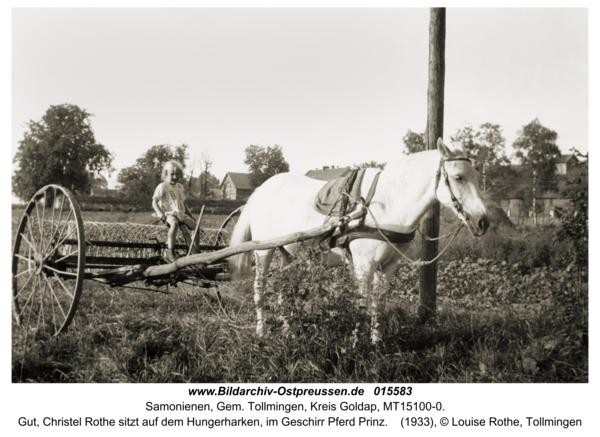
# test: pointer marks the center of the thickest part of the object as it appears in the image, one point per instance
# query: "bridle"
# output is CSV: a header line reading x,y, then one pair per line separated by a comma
x,y
460,212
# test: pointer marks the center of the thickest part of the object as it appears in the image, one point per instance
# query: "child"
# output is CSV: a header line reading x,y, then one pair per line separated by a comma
x,y
169,203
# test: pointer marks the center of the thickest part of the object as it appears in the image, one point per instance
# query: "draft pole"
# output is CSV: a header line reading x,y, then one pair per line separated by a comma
x,y
430,223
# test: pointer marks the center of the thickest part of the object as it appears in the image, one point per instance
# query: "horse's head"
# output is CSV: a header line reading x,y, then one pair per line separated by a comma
x,y
457,188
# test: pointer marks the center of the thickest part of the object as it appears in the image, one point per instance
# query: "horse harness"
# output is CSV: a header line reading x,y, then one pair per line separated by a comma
x,y
442,172
348,202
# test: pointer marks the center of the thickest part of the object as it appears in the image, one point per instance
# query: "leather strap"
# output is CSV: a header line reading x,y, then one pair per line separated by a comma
x,y
371,192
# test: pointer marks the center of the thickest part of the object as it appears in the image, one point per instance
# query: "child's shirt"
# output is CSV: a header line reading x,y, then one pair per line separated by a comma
x,y
170,199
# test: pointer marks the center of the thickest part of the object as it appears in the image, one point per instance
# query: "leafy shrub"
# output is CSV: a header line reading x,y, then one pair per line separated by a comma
x,y
316,304
574,220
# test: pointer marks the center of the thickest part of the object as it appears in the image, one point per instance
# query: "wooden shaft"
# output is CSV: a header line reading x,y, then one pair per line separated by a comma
x,y
207,258
430,223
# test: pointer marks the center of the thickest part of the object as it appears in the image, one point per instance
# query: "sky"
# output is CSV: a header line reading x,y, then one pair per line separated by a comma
x,y
331,87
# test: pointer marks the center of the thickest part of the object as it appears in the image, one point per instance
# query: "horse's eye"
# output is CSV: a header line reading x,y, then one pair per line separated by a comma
x,y
458,178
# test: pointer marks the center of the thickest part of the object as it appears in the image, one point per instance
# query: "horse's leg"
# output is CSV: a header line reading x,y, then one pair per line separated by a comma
x,y
381,289
286,259
364,272
368,255
262,260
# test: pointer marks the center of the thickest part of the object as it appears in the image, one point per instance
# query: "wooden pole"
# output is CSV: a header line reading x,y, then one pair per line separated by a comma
x,y
210,257
430,224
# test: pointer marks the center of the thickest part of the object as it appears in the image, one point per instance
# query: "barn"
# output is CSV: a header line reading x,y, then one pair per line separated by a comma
x,y
237,186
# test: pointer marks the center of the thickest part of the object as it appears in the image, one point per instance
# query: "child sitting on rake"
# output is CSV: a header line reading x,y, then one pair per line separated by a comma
x,y
169,203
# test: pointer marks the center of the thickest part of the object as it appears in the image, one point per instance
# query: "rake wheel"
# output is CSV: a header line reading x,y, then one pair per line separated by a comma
x,y
223,237
48,261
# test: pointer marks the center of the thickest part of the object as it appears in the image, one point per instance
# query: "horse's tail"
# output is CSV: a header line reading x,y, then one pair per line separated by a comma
x,y
240,266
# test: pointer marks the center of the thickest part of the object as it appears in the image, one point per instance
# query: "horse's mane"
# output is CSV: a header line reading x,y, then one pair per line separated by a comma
x,y
405,160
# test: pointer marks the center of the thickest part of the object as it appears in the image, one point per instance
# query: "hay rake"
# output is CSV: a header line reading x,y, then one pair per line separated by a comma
x,y
55,251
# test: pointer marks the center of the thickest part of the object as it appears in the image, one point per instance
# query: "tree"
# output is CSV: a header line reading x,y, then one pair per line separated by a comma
x,y
193,164
99,181
205,166
142,178
264,163
196,184
207,182
371,164
413,142
485,148
537,150
59,149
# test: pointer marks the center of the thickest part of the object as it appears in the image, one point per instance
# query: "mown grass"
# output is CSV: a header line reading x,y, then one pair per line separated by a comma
x,y
511,308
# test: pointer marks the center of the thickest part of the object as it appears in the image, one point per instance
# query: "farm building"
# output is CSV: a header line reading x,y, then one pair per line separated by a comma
x,y
566,163
517,201
328,174
237,186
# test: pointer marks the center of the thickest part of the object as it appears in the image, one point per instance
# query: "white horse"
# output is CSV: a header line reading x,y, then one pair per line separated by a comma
x,y
406,190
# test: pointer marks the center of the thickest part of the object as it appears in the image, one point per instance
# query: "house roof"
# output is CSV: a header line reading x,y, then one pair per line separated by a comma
x,y
241,181
565,158
328,174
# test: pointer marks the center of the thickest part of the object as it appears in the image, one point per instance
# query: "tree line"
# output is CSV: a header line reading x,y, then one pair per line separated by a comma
x,y
535,149
61,149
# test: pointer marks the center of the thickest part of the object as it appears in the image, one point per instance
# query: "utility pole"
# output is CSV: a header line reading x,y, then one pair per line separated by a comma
x,y
430,223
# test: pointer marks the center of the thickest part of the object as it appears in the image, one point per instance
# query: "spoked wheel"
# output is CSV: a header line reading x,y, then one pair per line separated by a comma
x,y
223,237
48,261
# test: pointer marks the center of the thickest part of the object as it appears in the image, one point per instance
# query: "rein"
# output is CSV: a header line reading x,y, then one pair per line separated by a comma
x,y
464,218
441,172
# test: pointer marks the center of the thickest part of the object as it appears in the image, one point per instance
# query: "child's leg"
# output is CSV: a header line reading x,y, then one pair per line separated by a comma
x,y
190,223
172,235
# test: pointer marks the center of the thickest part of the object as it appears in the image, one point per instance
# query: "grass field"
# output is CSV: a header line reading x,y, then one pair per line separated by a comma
x,y
511,308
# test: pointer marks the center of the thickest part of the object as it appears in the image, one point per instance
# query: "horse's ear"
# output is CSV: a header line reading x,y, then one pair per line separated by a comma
x,y
448,153
443,149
